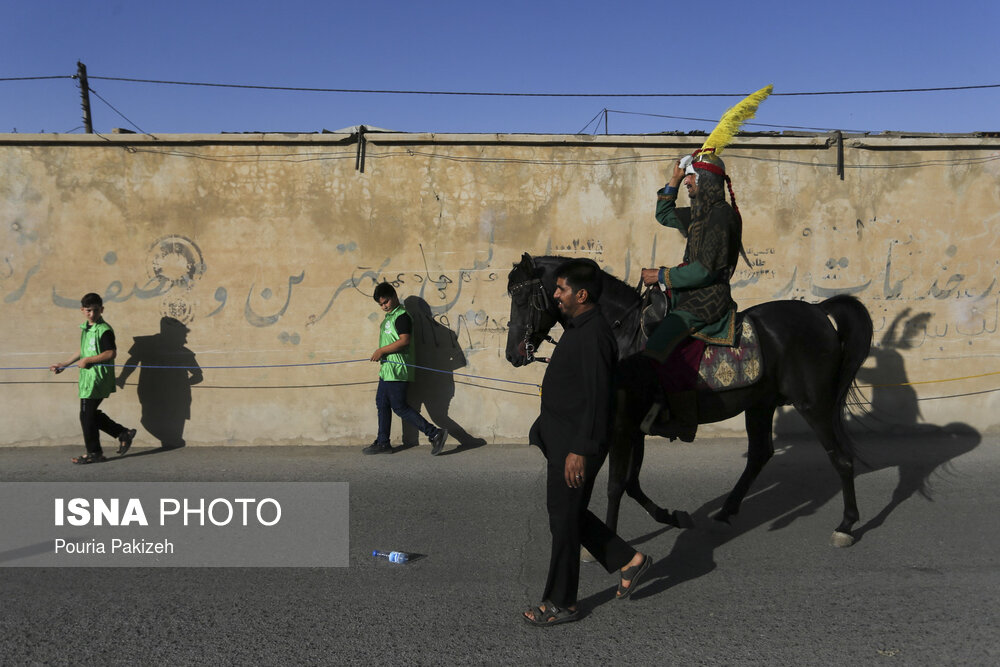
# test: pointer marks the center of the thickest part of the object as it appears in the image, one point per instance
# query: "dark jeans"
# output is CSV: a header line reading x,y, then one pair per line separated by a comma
x,y
391,397
93,422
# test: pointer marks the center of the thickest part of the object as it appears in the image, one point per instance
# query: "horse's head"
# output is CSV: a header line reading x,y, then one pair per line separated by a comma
x,y
532,311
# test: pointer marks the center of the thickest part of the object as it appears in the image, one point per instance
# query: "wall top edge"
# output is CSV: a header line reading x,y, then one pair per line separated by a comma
x,y
749,140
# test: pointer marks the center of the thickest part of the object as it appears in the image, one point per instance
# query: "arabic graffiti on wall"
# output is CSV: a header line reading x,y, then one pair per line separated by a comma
x,y
176,267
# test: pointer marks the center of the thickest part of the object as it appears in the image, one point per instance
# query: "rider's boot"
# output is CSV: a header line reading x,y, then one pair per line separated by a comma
x,y
679,419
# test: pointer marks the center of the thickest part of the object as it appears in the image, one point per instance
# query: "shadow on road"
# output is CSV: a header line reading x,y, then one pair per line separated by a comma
x,y
800,479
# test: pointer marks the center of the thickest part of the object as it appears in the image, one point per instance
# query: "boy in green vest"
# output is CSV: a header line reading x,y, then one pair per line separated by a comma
x,y
395,354
97,381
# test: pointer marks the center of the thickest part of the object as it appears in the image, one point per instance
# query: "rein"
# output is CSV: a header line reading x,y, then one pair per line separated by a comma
x,y
540,303
638,290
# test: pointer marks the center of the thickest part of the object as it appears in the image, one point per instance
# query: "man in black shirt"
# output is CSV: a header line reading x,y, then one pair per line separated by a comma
x,y
573,431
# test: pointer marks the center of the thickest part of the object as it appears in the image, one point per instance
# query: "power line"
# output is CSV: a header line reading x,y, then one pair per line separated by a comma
x,y
514,94
116,110
876,91
709,120
591,121
508,94
36,78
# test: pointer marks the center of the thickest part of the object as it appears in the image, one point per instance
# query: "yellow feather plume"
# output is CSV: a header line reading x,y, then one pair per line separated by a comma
x,y
731,121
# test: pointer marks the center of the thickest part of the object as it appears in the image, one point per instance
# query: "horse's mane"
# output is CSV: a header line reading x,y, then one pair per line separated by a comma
x,y
615,289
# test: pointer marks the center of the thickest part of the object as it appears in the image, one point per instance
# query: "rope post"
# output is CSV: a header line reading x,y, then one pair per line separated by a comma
x,y
81,75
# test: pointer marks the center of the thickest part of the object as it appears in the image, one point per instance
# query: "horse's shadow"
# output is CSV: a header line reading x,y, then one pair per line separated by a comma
x,y
439,355
889,434
782,495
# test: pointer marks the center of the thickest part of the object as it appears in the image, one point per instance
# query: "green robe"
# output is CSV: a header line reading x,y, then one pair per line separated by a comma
x,y
699,287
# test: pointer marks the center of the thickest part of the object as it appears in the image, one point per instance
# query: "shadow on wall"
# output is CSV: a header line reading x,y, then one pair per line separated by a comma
x,y
894,405
435,347
167,370
890,432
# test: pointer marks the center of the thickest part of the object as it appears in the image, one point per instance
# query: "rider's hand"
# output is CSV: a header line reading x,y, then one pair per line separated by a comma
x,y
677,176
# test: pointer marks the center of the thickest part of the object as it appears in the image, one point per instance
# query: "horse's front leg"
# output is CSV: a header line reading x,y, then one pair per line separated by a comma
x,y
630,448
760,449
619,461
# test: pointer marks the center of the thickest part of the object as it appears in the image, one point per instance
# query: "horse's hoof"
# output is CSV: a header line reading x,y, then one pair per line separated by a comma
x,y
682,519
586,556
841,540
721,518
667,517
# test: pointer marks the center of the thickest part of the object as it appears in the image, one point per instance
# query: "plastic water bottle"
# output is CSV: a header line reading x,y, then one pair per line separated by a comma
x,y
392,556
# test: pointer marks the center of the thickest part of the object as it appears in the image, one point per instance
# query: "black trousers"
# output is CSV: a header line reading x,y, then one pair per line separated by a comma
x,y
93,422
572,525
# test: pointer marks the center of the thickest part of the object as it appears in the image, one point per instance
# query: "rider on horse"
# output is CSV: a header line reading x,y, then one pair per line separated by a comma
x,y
697,290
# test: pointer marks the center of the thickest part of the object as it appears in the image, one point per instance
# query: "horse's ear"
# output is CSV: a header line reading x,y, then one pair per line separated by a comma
x,y
526,258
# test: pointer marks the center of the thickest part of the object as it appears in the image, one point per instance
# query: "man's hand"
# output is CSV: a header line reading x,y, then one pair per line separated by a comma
x,y
575,471
377,355
650,276
677,176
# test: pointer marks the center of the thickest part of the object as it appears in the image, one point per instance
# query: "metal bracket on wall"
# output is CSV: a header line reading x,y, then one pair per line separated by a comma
x,y
359,159
840,154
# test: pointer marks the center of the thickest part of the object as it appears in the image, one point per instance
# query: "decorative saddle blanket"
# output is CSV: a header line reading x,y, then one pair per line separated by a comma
x,y
723,367
696,365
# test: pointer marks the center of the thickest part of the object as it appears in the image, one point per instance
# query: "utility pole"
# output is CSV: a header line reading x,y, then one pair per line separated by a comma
x,y
81,74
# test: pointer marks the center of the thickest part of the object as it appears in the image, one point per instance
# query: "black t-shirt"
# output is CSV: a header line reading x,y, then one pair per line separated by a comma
x,y
404,325
107,341
576,388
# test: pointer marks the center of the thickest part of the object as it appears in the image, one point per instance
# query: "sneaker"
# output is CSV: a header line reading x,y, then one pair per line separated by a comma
x,y
378,448
437,442
125,440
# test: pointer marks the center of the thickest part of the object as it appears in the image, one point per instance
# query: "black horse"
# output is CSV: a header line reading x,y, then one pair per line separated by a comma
x,y
811,355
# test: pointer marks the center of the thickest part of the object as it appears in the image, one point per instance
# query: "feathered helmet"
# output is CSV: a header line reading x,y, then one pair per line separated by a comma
x,y
707,157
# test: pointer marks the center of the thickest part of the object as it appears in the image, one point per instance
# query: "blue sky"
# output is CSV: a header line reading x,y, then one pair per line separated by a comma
x,y
515,46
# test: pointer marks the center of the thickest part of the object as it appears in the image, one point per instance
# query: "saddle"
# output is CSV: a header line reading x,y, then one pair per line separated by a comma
x,y
723,367
719,367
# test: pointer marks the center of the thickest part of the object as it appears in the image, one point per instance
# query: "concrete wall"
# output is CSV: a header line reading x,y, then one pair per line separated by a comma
x,y
267,247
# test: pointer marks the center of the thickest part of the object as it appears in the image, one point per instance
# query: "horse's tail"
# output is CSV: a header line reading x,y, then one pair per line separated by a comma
x,y
855,330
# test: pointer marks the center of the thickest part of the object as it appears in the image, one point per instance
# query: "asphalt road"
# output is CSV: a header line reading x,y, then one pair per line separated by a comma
x,y
919,587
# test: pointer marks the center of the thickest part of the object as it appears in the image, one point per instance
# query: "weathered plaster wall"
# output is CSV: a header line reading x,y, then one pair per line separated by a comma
x,y
267,248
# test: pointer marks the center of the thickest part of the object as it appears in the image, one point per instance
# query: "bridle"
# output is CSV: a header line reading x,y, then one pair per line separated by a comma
x,y
539,303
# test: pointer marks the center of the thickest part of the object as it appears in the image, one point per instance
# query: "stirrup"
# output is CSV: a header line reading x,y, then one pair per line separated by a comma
x,y
647,422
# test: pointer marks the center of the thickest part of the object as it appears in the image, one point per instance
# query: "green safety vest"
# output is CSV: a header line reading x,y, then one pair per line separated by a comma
x,y
395,367
98,381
